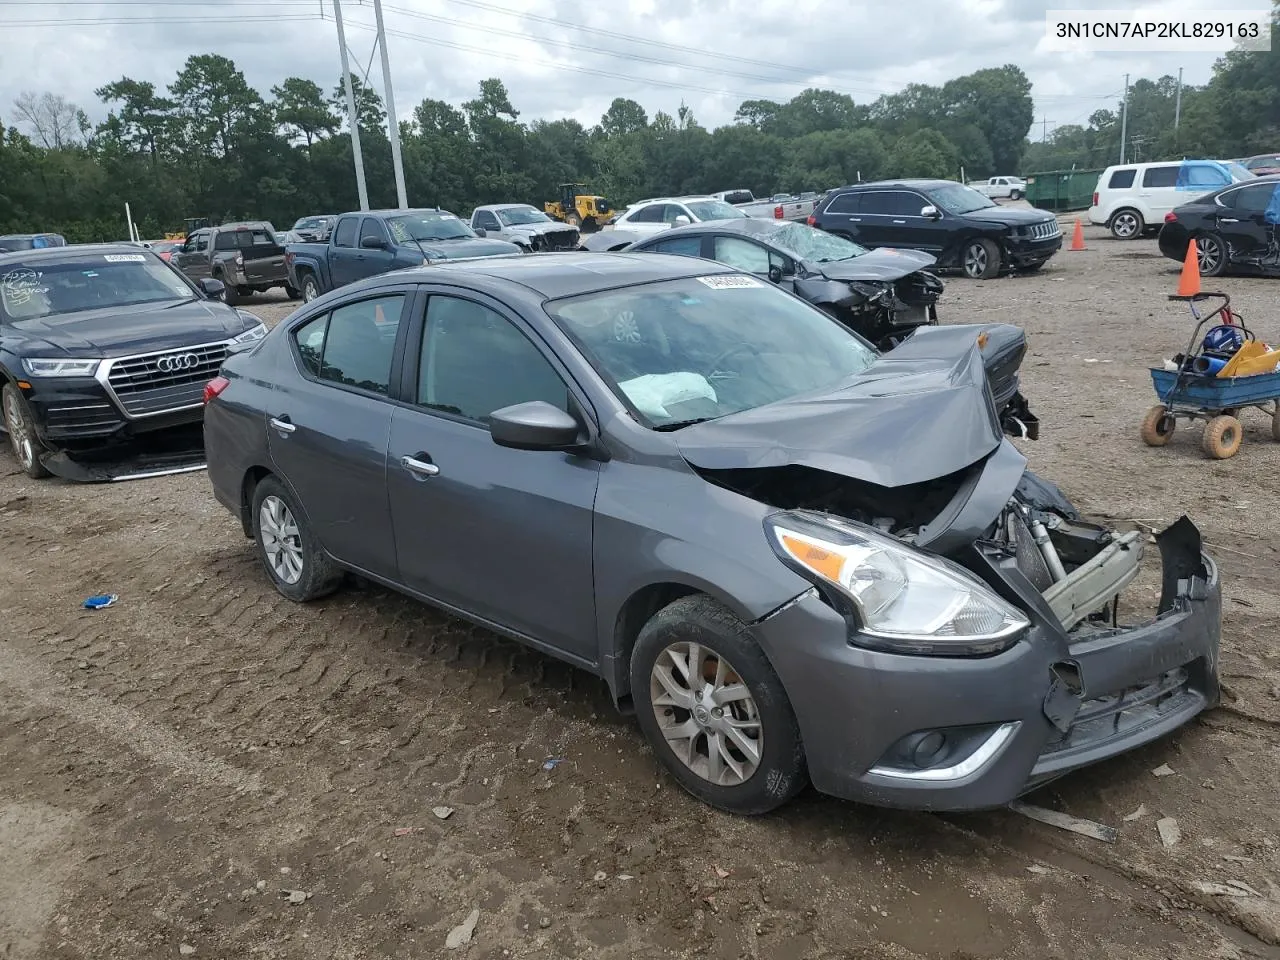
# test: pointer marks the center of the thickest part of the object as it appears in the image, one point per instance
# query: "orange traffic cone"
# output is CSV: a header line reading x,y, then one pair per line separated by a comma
x,y
1189,282
1077,239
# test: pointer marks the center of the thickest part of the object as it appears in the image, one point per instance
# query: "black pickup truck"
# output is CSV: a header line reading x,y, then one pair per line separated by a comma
x,y
379,241
245,257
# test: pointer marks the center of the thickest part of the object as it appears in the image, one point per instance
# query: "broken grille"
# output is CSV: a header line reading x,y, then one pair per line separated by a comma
x,y
149,385
1046,230
1122,714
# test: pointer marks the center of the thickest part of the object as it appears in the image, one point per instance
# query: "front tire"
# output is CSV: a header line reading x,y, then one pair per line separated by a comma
x,y
296,564
20,426
1222,437
1127,225
714,711
980,259
1158,426
1212,254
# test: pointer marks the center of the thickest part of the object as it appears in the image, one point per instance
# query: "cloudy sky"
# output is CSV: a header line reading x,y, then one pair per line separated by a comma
x,y
570,58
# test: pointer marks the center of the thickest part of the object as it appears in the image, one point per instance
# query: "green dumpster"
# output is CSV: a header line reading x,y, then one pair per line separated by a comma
x,y
1062,190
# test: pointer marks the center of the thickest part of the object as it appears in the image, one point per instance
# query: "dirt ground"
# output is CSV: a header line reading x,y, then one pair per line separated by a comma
x,y
173,767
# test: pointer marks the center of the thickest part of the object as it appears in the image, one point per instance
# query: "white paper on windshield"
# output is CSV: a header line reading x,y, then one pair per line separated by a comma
x,y
652,392
730,282
125,258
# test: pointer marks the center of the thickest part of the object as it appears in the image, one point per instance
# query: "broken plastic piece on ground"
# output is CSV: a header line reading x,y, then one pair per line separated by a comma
x,y
1137,814
552,762
1169,831
461,935
1164,770
1064,821
100,601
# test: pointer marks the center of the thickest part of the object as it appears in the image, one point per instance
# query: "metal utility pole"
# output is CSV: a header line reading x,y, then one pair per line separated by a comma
x,y
1124,115
1177,103
392,124
351,108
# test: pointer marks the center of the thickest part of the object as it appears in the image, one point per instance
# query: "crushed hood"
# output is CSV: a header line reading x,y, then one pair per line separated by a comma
x,y
920,412
885,263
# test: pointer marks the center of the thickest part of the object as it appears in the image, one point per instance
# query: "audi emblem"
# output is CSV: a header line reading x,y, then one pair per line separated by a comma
x,y
175,362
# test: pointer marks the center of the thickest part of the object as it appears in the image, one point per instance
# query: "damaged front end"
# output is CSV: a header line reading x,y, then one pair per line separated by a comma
x,y
885,312
1085,676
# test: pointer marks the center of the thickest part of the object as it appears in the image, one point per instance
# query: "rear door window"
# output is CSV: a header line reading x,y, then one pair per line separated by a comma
x,y
1162,176
354,345
650,214
892,203
845,203
1122,179
1249,200
345,234
680,246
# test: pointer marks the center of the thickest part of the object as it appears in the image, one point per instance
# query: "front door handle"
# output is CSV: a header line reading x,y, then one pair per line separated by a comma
x,y
899,221
419,468
856,219
283,425
1228,220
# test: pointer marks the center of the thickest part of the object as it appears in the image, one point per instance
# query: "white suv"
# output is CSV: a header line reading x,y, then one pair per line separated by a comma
x,y
648,217
1133,198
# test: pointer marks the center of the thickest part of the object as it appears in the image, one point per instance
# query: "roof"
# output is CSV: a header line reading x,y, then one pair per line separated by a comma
x,y
684,199
555,275
505,206
919,184
392,211
750,226
72,251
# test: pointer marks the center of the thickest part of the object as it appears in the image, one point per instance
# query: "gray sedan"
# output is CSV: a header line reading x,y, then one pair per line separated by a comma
x,y
794,558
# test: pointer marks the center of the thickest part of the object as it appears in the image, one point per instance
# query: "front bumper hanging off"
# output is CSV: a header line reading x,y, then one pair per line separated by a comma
x,y
1052,703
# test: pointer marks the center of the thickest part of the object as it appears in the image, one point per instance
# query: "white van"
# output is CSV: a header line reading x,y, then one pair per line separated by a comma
x,y
1133,198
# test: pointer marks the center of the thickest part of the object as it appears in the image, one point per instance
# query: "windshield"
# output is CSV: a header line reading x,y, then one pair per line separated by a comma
x,y
312,223
515,215
714,210
30,291
818,246
957,198
700,348
1239,171
428,226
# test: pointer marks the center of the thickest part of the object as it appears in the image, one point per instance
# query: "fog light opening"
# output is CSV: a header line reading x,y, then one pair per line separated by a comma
x,y
925,749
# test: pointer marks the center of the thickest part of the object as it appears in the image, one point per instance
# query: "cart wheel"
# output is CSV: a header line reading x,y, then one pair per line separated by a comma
x,y
1222,436
1158,426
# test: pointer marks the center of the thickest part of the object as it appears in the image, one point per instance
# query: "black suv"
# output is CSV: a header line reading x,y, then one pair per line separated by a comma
x,y
105,351
958,225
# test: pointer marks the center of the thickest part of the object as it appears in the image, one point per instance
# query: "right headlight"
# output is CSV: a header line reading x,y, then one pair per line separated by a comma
x,y
905,600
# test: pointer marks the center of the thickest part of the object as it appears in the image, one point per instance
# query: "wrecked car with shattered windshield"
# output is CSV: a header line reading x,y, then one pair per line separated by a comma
x,y
794,558
883,295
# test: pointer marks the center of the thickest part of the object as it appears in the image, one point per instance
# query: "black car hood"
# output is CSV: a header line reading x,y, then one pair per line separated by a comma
x,y
456,248
885,263
919,412
121,331
1011,216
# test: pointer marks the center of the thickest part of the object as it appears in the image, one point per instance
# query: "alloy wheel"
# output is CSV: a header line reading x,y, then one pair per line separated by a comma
x,y
706,713
309,290
281,539
1209,252
1125,225
19,435
975,260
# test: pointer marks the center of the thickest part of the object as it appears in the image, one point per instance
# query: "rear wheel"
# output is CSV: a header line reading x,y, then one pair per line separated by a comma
x,y
20,426
1015,194
288,549
1127,225
713,710
230,295
310,288
1212,254
980,259
573,220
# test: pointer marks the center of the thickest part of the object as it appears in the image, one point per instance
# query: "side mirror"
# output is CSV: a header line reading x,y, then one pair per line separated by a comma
x,y
682,221
536,425
930,212
480,232
211,287
775,274
372,243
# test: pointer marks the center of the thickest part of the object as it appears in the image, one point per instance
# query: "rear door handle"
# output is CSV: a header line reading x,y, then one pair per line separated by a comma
x,y
899,221
419,468
282,424
856,219
1228,220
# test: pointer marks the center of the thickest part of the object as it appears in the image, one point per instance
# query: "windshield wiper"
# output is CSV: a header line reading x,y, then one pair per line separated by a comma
x,y
680,424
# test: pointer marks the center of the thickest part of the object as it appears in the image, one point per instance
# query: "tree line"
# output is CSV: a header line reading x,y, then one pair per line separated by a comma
x,y
210,145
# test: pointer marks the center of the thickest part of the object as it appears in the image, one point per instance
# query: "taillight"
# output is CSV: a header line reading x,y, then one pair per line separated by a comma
x,y
812,220
1170,217
214,387
288,258
777,212
1095,198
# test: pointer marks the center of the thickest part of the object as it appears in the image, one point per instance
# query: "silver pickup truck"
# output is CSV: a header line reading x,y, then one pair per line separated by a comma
x,y
781,206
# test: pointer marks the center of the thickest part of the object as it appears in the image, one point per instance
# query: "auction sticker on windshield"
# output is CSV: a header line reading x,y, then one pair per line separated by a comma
x,y
125,258
730,282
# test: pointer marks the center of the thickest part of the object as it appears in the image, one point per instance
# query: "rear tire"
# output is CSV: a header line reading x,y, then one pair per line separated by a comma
x,y
1127,224
230,295
759,764
294,560
980,259
310,288
1015,194
20,426
1212,254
